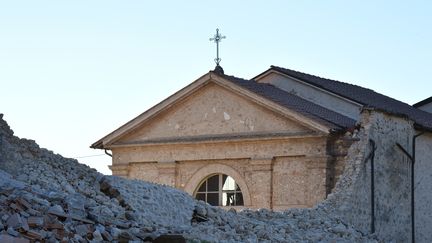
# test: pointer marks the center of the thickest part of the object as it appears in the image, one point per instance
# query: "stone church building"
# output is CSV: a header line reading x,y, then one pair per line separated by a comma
x,y
276,141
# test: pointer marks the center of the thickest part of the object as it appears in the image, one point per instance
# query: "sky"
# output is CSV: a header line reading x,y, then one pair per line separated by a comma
x,y
73,71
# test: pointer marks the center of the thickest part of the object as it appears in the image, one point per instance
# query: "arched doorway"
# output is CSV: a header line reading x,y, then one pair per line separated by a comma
x,y
219,190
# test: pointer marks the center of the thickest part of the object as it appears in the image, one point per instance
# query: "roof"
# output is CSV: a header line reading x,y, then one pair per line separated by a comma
x,y
423,102
308,109
367,97
316,113
329,119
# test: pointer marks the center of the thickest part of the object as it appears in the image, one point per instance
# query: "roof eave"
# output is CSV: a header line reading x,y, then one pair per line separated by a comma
x,y
423,102
111,137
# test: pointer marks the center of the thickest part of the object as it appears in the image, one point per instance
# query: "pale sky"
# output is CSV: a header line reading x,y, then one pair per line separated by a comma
x,y
73,71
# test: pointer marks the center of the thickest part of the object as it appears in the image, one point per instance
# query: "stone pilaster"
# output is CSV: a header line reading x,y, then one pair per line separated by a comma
x,y
259,177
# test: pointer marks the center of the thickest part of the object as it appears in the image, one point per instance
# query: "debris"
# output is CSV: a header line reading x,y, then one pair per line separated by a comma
x,y
47,198
11,239
35,221
170,238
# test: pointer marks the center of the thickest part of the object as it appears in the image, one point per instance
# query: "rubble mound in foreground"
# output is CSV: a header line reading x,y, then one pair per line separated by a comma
x,y
45,197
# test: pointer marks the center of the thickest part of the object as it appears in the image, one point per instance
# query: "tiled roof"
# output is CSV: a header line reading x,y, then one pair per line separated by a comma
x,y
308,109
366,97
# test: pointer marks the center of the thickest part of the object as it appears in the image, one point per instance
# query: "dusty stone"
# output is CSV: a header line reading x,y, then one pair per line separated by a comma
x,y
75,205
115,232
56,210
125,236
82,229
12,232
9,239
5,217
170,238
52,223
158,209
35,221
106,236
33,235
15,221
97,236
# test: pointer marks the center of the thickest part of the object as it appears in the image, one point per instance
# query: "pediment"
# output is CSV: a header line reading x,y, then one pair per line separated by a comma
x,y
212,110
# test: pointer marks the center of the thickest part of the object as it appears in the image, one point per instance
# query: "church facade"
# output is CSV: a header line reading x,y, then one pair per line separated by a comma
x,y
276,141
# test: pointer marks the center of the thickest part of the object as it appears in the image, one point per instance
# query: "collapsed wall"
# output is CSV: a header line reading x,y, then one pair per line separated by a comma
x,y
45,197
351,198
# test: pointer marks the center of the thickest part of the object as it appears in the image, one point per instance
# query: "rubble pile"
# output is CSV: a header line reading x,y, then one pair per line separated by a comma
x,y
47,198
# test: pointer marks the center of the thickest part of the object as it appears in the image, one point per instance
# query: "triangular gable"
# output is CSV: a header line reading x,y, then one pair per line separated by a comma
x,y
213,111
141,120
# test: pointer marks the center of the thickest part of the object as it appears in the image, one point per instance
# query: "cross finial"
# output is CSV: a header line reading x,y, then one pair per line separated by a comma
x,y
217,38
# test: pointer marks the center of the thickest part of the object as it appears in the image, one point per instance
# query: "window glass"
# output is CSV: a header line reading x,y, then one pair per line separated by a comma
x,y
213,183
213,198
200,196
229,184
203,187
220,190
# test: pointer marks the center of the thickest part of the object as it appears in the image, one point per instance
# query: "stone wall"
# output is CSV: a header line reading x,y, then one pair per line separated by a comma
x,y
352,196
278,183
276,174
423,188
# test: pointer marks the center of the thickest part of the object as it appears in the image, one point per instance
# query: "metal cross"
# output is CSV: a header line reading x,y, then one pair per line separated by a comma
x,y
217,38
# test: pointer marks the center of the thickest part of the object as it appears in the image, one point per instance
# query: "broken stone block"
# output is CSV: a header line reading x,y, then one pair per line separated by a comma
x,y
12,232
97,236
33,212
125,237
10,239
15,221
16,207
122,224
59,233
33,235
75,205
106,236
5,217
170,238
24,214
82,229
51,222
78,238
34,221
56,210
130,215
115,232
24,203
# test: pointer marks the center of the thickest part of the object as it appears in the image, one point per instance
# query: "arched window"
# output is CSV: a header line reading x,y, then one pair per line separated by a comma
x,y
219,190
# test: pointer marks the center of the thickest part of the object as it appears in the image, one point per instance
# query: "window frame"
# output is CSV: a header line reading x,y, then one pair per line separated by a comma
x,y
220,190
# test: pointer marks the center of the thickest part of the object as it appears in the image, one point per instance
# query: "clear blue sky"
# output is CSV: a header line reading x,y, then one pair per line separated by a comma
x,y
73,71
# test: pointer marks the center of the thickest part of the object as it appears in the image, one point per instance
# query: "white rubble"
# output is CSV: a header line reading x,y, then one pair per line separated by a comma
x,y
87,206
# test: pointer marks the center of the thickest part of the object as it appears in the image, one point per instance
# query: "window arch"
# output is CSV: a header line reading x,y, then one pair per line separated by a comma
x,y
219,190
